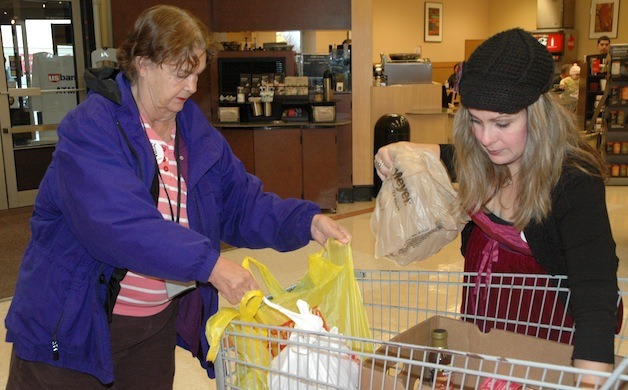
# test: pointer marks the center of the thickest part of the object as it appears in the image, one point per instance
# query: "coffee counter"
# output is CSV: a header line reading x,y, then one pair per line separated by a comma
x,y
421,104
293,159
280,124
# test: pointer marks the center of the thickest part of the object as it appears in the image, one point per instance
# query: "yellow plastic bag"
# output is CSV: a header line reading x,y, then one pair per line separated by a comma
x,y
329,287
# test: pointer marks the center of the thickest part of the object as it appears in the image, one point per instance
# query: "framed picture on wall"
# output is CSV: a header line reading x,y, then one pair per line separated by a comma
x,y
604,18
433,22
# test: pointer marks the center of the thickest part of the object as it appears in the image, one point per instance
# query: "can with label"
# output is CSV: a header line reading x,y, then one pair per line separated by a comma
x,y
621,117
613,118
609,147
617,148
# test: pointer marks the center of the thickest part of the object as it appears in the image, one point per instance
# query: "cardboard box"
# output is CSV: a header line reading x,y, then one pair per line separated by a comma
x,y
472,344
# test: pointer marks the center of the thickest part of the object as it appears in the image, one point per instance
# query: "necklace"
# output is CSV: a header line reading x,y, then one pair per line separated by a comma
x,y
509,181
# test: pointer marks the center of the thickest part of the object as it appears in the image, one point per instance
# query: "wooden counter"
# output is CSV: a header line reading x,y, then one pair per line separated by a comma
x,y
430,126
293,159
280,124
420,104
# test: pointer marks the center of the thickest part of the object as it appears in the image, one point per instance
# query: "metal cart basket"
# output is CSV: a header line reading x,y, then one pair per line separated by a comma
x,y
394,302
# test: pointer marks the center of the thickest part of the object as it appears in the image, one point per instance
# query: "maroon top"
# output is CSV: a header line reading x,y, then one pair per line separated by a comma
x,y
518,304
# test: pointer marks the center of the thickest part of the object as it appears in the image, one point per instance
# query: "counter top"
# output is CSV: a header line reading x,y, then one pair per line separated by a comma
x,y
428,111
277,124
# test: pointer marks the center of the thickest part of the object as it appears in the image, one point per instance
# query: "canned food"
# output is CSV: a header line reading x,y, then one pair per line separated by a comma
x,y
609,147
617,148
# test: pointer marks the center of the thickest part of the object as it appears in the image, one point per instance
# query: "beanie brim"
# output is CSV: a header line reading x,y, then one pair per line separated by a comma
x,y
506,73
502,98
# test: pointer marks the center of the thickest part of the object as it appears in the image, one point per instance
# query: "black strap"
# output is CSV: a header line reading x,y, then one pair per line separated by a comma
x,y
113,286
113,289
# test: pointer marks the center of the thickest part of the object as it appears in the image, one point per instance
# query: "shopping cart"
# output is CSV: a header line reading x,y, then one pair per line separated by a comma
x,y
394,302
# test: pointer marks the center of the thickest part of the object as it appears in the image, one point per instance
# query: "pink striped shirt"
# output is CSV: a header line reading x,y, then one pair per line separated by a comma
x,y
140,295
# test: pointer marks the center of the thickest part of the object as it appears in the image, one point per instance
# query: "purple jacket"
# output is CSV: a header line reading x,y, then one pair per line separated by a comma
x,y
94,212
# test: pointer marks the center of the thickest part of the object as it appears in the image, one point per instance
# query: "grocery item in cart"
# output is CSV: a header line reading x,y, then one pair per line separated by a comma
x,y
396,300
329,360
416,211
500,384
329,286
440,377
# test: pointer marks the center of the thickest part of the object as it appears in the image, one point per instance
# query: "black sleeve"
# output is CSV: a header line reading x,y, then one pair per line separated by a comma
x,y
576,240
447,154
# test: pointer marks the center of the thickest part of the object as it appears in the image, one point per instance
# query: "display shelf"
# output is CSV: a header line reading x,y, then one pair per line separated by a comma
x,y
616,135
594,77
617,181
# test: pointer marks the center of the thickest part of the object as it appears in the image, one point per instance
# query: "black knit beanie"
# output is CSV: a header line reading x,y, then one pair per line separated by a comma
x,y
506,73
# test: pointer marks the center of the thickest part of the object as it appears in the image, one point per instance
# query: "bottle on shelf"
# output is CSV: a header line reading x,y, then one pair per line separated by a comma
x,y
328,85
318,93
240,95
595,66
441,376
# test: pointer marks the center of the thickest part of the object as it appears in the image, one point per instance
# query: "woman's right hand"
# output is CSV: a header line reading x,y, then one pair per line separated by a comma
x,y
385,157
232,280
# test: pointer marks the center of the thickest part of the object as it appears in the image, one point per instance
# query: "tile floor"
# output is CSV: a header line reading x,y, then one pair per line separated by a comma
x,y
189,375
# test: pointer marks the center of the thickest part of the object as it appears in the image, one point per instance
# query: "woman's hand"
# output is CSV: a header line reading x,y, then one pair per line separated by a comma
x,y
385,157
324,227
590,381
232,280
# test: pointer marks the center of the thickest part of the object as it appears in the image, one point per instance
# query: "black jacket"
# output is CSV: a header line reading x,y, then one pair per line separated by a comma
x,y
576,240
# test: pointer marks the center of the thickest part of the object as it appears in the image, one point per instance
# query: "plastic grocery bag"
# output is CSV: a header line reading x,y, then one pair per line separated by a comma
x,y
417,211
312,358
329,286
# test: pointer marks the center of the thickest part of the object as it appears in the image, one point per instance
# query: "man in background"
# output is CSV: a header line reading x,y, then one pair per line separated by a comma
x,y
603,44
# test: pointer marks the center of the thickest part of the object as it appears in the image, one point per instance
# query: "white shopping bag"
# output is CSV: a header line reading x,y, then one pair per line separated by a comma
x,y
311,361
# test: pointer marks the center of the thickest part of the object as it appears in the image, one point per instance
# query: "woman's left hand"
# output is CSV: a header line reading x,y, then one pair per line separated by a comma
x,y
324,227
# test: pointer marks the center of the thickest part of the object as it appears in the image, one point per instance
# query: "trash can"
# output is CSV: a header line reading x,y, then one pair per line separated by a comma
x,y
389,128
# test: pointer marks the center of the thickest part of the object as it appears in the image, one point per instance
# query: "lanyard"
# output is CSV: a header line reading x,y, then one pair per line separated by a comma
x,y
177,157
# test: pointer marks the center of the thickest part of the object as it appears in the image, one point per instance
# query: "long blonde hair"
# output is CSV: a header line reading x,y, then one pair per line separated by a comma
x,y
553,141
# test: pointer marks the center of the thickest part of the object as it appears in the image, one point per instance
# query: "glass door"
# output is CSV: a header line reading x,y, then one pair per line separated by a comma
x,y
42,54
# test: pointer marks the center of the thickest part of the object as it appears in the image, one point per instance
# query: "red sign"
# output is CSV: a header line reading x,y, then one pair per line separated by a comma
x,y
555,42
571,42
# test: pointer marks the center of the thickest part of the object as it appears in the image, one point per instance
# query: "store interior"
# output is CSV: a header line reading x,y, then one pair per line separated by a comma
x,y
356,219
462,25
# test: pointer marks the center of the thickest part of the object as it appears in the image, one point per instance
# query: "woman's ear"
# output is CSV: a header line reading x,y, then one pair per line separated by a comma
x,y
141,63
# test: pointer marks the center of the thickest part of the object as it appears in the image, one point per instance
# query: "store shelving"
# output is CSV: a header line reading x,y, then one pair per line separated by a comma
x,y
616,117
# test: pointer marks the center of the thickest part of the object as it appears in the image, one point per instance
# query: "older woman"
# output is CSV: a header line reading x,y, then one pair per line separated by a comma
x,y
131,211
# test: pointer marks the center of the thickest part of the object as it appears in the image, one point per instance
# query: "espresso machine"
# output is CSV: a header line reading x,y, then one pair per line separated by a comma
x,y
340,61
406,68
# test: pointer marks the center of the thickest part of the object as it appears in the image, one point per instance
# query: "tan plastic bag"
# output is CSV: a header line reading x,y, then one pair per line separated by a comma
x,y
417,211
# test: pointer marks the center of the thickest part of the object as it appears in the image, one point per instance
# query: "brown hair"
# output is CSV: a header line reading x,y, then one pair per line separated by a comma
x,y
603,38
553,142
164,34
